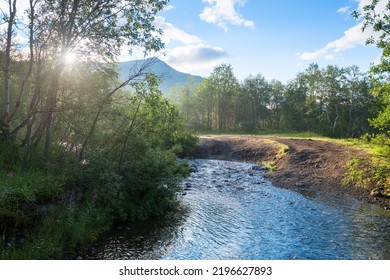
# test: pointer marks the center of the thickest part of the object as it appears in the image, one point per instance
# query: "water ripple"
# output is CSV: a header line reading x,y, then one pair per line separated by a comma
x,y
234,213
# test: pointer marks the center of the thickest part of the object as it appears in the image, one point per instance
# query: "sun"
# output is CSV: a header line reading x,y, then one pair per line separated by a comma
x,y
70,58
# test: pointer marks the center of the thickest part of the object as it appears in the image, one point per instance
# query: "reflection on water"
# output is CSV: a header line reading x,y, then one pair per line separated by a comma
x,y
232,212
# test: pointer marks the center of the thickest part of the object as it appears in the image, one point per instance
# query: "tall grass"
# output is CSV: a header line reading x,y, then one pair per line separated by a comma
x,y
278,133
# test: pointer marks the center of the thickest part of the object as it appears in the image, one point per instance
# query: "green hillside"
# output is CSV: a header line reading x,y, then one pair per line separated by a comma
x,y
169,76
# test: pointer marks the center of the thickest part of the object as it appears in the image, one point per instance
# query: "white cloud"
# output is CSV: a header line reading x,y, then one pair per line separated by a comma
x,y
168,8
172,33
190,54
352,37
344,10
224,13
195,57
379,7
193,54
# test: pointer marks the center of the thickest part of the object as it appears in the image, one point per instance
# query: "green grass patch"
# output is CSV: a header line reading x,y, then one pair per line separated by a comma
x,y
270,166
283,150
276,133
373,171
64,228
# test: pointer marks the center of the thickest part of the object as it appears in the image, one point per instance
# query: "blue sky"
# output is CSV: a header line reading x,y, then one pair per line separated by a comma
x,y
277,38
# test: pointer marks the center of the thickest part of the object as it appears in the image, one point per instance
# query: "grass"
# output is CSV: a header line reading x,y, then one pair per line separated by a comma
x,y
371,172
351,142
279,133
270,166
282,151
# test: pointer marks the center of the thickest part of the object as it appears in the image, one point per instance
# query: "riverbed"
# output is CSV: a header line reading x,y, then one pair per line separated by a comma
x,y
230,211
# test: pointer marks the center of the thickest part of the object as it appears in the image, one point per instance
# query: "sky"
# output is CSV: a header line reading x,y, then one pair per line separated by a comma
x,y
276,39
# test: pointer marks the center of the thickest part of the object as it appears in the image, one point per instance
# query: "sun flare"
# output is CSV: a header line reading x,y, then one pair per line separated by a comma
x,y
70,58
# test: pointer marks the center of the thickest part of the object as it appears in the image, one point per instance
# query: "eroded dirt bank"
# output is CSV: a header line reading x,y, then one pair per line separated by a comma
x,y
307,164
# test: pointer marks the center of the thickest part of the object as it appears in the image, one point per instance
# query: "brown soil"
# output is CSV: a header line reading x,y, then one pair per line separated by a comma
x,y
308,164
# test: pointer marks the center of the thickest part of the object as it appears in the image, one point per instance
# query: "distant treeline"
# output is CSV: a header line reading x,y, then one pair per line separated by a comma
x,y
332,101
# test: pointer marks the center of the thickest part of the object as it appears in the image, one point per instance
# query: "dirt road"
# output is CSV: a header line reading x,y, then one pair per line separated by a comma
x,y
299,163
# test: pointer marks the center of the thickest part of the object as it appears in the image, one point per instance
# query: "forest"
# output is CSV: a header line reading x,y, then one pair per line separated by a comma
x,y
81,150
332,101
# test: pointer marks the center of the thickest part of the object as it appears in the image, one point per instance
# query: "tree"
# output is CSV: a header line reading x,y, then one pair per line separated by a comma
x,y
294,104
184,96
276,102
224,85
5,108
333,98
94,28
379,21
204,100
94,31
256,96
333,101
361,105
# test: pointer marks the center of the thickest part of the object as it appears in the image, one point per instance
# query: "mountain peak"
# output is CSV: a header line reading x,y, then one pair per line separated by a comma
x,y
170,77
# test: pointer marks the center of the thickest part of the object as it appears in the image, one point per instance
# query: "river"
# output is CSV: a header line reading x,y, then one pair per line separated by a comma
x,y
231,212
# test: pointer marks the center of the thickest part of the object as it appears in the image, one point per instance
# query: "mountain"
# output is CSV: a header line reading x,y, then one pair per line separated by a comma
x,y
169,76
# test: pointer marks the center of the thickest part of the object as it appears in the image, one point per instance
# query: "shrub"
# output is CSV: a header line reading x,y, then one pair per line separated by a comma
x,y
20,193
369,173
248,126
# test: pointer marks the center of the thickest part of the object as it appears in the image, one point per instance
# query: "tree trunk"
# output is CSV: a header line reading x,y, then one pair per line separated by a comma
x,y
128,133
220,111
31,61
50,107
5,111
138,72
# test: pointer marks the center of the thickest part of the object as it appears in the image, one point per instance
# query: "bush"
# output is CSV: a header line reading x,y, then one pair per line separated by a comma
x,y
248,126
129,171
141,186
369,173
20,193
62,230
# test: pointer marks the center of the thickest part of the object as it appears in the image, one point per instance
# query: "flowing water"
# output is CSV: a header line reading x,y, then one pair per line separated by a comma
x,y
232,212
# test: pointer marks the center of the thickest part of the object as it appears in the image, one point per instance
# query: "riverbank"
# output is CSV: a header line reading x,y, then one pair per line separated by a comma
x,y
230,212
295,163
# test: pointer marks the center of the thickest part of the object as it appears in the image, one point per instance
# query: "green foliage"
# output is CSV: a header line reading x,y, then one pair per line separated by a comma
x,y
248,126
9,154
18,187
332,101
382,120
369,173
143,186
129,171
20,190
270,166
82,151
374,173
63,229
283,150
295,134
